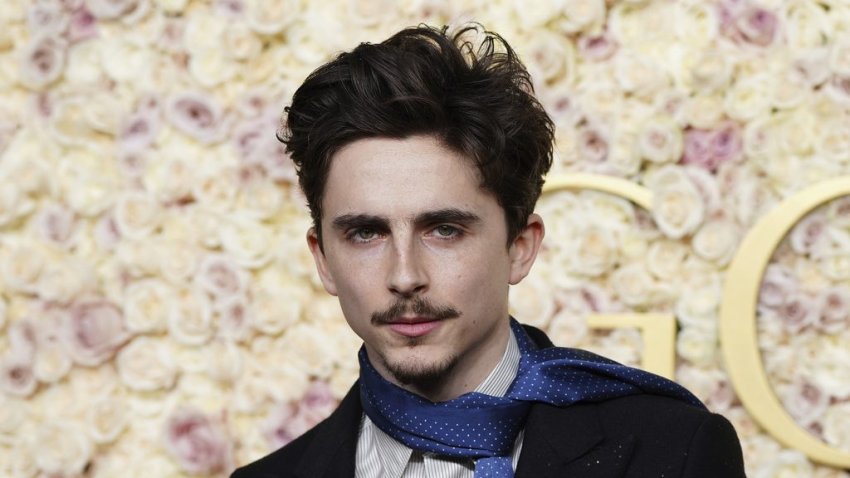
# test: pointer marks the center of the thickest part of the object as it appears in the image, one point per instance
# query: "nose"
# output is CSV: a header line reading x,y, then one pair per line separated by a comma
x,y
407,275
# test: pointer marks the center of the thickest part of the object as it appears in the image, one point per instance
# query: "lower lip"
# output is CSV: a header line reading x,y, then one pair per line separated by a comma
x,y
414,330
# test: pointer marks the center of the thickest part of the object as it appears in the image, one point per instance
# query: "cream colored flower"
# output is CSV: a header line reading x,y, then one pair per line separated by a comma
x,y
697,345
88,181
695,23
677,208
171,6
64,279
93,330
749,97
127,62
536,13
137,214
582,15
550,57
593,251
704,110
18,460
277,306
220,276
831,368
235,317
249,242
807,25
147,304
660,140
22,266
216,188
52,363
42,61
835,430
532,300
171,176
240,42
633,284
225,361
308,349
716,241
145,365
212,66
665,259
260,200
191,322
106,419
639,75
13,203
177,261
61,447
271,16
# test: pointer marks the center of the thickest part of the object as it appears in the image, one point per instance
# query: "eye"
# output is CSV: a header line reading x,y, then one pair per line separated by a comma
x,y
363,234
444,231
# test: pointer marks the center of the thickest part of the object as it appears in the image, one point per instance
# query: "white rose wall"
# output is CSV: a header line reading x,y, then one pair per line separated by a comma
x,y
159,312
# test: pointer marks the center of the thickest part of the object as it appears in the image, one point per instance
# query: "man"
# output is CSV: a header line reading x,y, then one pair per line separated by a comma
x,y
422,159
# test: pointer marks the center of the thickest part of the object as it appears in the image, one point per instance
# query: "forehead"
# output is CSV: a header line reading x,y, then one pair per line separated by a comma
x,y
395,176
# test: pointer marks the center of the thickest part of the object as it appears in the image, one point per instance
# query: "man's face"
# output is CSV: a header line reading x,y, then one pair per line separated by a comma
x,y
415,251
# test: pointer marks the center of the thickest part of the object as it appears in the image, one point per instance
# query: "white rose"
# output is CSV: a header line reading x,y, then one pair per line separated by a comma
x,y
567,329
220,276
308,348
4,309
16,377
126,62
712,72
42,61
593,251
13,204
550,57
697,345
211,67
216,189
639,75
18,461
665,259
788,463
204,30
84,66
147,304
62,448
633,284
749,97
835,265
532,300
803,401
704,111
834,139
235,317
260,200
241,43
835,430
716,241
137,214
171,6
807,25
677,208
177,261
277,306
537,13
96,173
63,280
145,365
831,369
52,363
22,267
249,242
13,415
225,361
106,419
695,23
697,306
93,330
191,321
271,16
55,224
582,15
170,178
660,140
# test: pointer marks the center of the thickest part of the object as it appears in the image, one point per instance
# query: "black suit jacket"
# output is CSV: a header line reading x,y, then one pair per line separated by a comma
x,y
636,436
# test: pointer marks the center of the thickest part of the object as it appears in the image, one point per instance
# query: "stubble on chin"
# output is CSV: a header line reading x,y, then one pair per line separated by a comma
x,y
418,374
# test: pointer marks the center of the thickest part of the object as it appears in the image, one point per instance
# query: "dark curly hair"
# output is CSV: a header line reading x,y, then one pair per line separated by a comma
x,y
474,95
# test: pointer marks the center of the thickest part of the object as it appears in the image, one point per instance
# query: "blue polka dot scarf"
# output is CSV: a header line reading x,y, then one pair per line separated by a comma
x,y
483,427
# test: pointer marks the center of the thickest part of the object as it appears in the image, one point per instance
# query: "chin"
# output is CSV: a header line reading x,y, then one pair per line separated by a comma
x,y
414,369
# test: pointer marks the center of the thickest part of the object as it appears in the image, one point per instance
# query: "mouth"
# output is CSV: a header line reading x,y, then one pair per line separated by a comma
x,y
413,326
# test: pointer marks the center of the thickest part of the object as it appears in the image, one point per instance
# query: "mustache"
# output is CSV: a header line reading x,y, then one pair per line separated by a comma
x,y
419,306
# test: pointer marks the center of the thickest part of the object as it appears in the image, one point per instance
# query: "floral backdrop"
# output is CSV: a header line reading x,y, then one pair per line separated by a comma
x,y
159,312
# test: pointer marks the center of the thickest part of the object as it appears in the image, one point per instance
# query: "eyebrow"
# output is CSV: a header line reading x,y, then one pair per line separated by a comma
x,y
452,215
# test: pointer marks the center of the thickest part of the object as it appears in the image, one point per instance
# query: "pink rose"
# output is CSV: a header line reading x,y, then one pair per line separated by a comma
x,y
47,18
55,224
593,145
106,233
798,312
220,276
235,318
94,330
809,234
198,442
138,132
805,401
757,26
284,424
838,89
43,61
597,47
197,115
318,402
23,339
83,26
835,314
709,149
230,8
17,377
776,284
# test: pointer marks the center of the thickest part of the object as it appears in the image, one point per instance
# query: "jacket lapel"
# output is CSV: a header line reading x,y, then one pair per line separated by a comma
x,y
332,452
570,442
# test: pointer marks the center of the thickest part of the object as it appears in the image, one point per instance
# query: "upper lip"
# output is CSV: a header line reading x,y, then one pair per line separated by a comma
x,y
412,320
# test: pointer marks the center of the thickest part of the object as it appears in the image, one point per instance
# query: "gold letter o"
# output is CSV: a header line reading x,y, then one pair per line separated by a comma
x,y
738,332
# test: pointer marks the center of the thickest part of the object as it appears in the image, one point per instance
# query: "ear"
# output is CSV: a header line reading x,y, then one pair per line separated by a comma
x,y
523,250
321,261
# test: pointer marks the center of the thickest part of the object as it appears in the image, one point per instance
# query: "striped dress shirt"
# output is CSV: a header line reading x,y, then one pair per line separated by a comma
x,y
381,456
